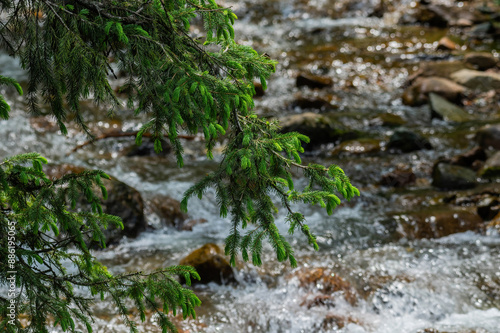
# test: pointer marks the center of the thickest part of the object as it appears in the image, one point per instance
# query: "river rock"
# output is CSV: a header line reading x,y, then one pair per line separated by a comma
x,y
491,168
211,264
147,149
446,44
433,15
398,178
489,136
388,120
445,110
470,158
357,147
314,82
453,177
319,128
477,80
437,222
190,224
480,60
316,103
442,69
488,207
417,93
326,282
405,141
123,201
259,90
168,210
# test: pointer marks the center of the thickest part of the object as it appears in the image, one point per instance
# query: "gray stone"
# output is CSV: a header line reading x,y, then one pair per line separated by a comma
x,y
477,80
453,177
443,109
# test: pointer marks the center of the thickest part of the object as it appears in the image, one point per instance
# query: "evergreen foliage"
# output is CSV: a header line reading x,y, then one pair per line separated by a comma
x,y
180,82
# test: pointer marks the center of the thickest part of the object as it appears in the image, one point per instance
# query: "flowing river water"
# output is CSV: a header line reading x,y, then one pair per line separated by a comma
x,y
402,284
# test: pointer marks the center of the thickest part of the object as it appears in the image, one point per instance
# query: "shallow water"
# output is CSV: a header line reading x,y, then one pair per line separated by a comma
x,y
451,284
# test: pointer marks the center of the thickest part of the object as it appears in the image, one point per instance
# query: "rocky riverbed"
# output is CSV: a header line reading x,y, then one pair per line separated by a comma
x,y
403,96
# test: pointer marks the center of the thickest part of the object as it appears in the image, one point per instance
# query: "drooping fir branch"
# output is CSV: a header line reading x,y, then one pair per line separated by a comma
x,y
257,165
52,258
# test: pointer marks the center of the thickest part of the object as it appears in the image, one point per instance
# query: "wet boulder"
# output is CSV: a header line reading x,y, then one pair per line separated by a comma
x,y
417,93
443,109
403,140
126,202
259,90
433,15
453,177
488,207
315,103
326,282
357,147
442,69
320,128
190,224
489,136
399,177
147,149
480,60
470,159
211,265
446,44
312,81
123,201
491,168
437,222
388,120
477,80
168,211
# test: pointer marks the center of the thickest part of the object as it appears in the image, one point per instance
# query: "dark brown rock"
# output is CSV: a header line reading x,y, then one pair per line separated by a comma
x,y
398,178
318,127
417,93
480,61
436,223
468,158
388,120
123,201
314,82
488,207
489,136
211,265
259,90
147,149
357,147
316,103
168,210
405,141
190,224
326,282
